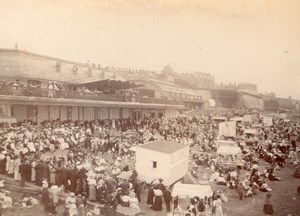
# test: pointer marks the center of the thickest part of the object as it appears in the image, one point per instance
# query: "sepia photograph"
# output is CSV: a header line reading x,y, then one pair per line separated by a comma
x,y
149,107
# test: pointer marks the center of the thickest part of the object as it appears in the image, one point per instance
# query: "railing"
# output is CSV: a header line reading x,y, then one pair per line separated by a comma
x,y
99,96
158,101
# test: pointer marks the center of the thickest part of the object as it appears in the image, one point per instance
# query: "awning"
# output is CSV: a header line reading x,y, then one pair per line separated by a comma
x,y
192,190
226,143
229,150
249,131
7,119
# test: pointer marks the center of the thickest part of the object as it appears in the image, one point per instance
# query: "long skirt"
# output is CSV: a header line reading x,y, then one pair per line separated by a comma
x,y
268,209
32,174
52,178
45,196
157,203
219,211
17,175
92,193
150,197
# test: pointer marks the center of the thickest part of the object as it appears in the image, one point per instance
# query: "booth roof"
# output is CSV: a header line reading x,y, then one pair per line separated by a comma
x,y
236,119
249,131
163,146
226,143
192,190
229,150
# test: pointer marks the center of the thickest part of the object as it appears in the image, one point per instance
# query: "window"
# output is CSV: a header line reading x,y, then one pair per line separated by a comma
x,y
154,164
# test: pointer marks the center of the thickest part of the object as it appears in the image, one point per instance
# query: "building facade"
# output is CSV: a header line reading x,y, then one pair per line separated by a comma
x,y
38,88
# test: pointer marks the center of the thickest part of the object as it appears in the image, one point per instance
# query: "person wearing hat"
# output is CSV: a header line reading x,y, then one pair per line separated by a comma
x,y
92,188
124,185
217,204
268,208
133,202
50,89
55,191
101,191
158,198
23,172
80,205
39,170
161,186
2,161
71,199
168,199
45,199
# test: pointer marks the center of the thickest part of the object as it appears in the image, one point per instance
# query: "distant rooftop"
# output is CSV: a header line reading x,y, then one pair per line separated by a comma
x,y
22,64
163,146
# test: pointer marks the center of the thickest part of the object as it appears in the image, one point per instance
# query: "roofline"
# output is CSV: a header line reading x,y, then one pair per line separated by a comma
x,y
251,94
49,57
143,147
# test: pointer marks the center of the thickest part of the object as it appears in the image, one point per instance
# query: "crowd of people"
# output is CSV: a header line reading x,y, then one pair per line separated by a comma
x,y
273,145
84,159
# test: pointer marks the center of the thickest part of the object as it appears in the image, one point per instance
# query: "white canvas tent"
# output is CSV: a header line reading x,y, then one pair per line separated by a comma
x,y
247,119
229,155
192,190
227,129
268,121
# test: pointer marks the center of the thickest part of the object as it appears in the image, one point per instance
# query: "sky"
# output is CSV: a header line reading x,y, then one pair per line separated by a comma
x,y
255,41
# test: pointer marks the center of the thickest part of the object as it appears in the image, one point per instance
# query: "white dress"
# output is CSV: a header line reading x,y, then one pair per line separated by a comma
x,y
17,163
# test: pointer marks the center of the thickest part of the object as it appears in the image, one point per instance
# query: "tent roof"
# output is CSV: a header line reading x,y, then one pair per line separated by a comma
x,y
258,125
249,131
226,143
8,119
192,190
236,119
233,150
163,146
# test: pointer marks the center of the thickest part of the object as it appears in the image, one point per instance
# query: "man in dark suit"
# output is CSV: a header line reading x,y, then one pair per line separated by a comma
x,y
168,199
23,171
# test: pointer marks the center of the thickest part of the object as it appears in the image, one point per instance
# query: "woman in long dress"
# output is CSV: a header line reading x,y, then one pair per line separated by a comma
x,y
157,199
52,175
17,163
92,189
10,168
45,199
268,208
150,196
218,206
33,164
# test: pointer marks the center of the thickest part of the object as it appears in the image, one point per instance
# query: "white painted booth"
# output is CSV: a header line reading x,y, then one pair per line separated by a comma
x,y
162,159
227,129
